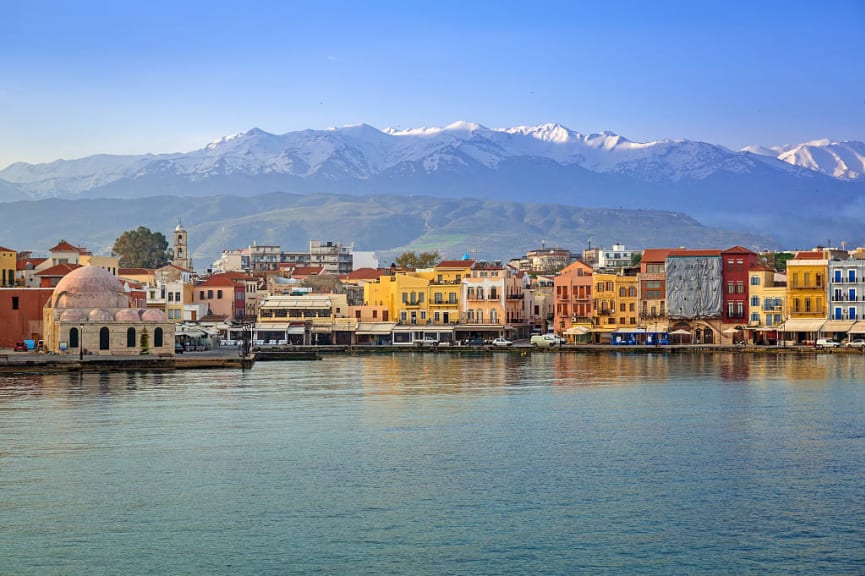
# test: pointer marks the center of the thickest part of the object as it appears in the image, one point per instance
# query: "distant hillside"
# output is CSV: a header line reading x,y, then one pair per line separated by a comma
x,y
386,224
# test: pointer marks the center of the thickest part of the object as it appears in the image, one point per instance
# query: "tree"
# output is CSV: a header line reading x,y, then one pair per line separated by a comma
x,y
636,258
411,259
141,248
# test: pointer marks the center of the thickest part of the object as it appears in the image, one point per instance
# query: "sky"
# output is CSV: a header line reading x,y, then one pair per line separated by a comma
x,y
86,77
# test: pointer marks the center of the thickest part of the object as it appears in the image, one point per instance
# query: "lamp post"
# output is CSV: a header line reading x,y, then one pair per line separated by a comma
x,y
81,343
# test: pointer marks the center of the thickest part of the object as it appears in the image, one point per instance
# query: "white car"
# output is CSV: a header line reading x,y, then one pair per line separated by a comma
x,y
857,343
502,342
826,343
546,341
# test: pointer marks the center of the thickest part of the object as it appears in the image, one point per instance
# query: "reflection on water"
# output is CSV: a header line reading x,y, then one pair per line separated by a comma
x,y
436,464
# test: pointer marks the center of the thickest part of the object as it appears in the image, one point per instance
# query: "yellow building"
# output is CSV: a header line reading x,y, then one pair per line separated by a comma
x,y
767,305
615,305
806,295
8,263
110,263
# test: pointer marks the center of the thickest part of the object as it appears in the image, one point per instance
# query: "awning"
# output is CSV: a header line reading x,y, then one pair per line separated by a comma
x,y
271,326
578,330
631,331
803,325
858,328
838,325
375,327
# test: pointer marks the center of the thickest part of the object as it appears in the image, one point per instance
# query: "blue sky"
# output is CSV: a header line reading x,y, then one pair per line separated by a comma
x,y
79,78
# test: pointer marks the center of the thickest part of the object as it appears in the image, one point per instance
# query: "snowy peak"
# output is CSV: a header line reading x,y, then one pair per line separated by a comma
x,y
844,160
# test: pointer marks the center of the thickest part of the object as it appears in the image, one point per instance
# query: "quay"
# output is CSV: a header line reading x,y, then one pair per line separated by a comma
x,y
229,358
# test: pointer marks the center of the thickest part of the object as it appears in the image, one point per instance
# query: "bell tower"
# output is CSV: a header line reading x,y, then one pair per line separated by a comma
x,y
181,252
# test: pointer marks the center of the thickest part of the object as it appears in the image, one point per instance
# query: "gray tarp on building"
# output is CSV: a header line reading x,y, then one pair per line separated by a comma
x,y
694,286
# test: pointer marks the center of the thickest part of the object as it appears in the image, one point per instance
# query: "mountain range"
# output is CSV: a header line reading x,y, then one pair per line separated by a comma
x,y
797,195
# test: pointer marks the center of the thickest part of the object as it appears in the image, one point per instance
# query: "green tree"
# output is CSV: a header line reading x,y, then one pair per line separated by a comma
x,y
411,259
141,248
636,258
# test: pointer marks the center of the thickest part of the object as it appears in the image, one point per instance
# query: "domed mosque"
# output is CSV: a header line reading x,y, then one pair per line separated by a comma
x,y
89,311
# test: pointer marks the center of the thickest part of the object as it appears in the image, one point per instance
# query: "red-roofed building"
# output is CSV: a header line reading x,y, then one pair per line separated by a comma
x,y
224,294
736,262
49,277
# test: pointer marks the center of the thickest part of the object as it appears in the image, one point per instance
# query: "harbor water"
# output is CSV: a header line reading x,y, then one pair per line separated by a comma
x,y
421,464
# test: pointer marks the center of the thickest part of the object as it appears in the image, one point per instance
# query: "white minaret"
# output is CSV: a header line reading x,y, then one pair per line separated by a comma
x,y
181,252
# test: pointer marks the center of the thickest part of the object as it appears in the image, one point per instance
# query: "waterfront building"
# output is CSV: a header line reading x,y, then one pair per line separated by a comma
x,y
539,303
89,313
846,298
573,300
766,304
21,314
224,296
305,319
694,295
653,289
736,265
492,301
807,292
8,266
614,307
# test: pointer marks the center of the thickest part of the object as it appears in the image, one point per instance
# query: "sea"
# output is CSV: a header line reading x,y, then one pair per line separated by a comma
x,y
436,463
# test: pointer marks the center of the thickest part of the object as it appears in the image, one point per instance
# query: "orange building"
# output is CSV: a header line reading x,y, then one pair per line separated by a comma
x,y
573,297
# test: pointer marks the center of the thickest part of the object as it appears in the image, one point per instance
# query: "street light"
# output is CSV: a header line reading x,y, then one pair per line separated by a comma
x,y
81,343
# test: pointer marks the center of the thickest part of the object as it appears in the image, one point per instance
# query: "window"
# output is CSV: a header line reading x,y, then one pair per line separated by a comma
x,y
755,316
632,307
15,302
374,314
837,275
201,295
851,275
796,305
130,338
740,309
837,315
493,317
730,288
219,294
73,338
755,280
171,297
210,294
807,304
621,291
405,297
621,307
403,316
157,338
104,339
740,287
436,317
739,265
755,300
851,313
423,314
729,265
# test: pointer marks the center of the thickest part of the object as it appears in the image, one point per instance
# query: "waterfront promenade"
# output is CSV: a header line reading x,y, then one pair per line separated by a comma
x,y
229,358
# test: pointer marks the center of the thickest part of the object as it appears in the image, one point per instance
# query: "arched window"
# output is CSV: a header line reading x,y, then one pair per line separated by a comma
x,y
73,338
157,338
104,339
130,337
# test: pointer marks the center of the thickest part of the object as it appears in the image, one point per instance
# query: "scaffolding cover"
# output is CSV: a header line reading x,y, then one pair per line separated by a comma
x,y
694,287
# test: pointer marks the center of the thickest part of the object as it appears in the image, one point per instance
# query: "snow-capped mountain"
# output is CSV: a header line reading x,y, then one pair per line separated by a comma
x,y
362,152
844,160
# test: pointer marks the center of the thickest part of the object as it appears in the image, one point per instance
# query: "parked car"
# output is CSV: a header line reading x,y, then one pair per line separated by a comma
x,y
429,341
20,347
546,341
826,343
475,342
856,343
502,342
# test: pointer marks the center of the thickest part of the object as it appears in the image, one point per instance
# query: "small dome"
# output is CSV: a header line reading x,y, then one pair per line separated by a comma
x,y
153,315
73,316
100,315
127,315
89,287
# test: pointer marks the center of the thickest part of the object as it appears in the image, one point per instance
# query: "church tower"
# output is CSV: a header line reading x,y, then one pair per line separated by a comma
x,y
181,252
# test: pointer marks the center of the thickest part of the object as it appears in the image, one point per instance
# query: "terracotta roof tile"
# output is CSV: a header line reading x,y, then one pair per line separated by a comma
x,y
58,270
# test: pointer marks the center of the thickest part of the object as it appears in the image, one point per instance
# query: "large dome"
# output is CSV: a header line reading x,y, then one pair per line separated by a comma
x,y
90,287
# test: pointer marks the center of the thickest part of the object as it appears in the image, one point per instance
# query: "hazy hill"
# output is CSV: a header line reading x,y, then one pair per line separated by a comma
x,y
387,224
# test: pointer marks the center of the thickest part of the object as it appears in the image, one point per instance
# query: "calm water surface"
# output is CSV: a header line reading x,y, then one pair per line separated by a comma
x,y
431,464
